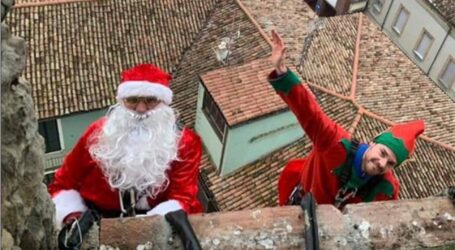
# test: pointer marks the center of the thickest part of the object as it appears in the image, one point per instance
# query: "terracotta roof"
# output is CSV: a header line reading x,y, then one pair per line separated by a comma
x,y
330,59
255,185
200,59
292,18
77,50
243,92
391,85
446,8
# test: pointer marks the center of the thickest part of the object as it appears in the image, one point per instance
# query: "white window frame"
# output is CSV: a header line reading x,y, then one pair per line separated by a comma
x,y
378,5
402,9
448,85
419,41
60,138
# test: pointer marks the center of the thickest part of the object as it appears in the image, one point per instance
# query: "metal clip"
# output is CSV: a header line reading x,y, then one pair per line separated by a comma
x,y
69,235
343,195
130,210
296,195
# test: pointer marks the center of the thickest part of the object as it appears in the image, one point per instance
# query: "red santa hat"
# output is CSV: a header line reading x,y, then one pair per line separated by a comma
x,y
401,138
145,80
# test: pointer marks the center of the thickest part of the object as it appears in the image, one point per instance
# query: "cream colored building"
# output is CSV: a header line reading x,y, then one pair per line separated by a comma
x,y
424,30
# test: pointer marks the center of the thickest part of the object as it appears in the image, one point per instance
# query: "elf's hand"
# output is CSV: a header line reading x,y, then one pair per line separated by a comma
x,y
278,53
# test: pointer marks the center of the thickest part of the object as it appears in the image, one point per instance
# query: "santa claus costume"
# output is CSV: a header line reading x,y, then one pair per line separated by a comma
x,y
127,151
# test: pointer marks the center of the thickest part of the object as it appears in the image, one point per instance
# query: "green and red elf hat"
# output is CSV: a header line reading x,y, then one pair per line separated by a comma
x,y
401,138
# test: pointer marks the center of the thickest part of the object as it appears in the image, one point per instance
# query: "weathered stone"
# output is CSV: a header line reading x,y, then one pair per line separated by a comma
x,y
406,224
13,57
132,233
27,211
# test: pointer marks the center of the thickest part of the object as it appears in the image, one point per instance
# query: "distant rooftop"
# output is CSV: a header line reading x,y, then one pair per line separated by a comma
x,y
446,8
77,50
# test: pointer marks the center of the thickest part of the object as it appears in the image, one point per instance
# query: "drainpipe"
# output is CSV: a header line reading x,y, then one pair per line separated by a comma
x,y
439,50
386,15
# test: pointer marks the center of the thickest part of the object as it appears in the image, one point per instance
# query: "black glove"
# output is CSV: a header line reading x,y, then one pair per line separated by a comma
x,y
179,222
72,234
450,192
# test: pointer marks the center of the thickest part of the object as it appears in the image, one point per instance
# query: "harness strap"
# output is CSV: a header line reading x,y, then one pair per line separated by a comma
x,y
347,171
308,206
127,203
344,193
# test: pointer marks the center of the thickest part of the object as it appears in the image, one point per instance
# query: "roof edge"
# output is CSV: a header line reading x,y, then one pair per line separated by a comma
x,y
256,24
50,2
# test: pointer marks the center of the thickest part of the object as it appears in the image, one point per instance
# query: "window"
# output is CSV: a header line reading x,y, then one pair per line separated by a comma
x,y
50,131
377,5
205,196
214,115
448,75
400,20
423,46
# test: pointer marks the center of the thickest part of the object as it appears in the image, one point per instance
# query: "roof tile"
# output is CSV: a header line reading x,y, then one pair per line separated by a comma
x,y
446,8
243,92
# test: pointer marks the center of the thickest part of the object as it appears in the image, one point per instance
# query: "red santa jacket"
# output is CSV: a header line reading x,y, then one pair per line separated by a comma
x,y
80,179
317,173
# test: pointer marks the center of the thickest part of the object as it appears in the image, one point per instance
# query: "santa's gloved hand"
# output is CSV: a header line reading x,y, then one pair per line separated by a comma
x,y
76,226
165,207
180,223
448,192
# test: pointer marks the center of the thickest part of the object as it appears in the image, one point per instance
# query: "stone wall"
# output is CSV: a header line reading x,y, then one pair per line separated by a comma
x,y
404,224
27,210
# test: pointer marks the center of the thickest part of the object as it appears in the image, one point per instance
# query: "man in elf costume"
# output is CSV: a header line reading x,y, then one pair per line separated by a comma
x,y
134,160
338,170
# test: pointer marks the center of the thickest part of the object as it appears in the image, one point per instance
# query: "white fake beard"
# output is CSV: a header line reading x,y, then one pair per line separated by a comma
x,y
134,151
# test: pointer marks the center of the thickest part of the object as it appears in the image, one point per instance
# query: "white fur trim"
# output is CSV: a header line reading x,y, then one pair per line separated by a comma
x,y
144,88
66,202
165,207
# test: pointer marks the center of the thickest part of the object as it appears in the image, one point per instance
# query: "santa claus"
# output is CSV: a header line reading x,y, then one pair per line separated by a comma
x,y
134,159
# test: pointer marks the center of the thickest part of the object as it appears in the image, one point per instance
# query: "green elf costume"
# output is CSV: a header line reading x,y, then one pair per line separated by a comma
x,y
333,169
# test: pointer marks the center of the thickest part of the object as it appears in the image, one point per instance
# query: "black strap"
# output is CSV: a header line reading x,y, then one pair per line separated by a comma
x,y
296,195
180,223
128,203
365,189
72,235
347,170
308,206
